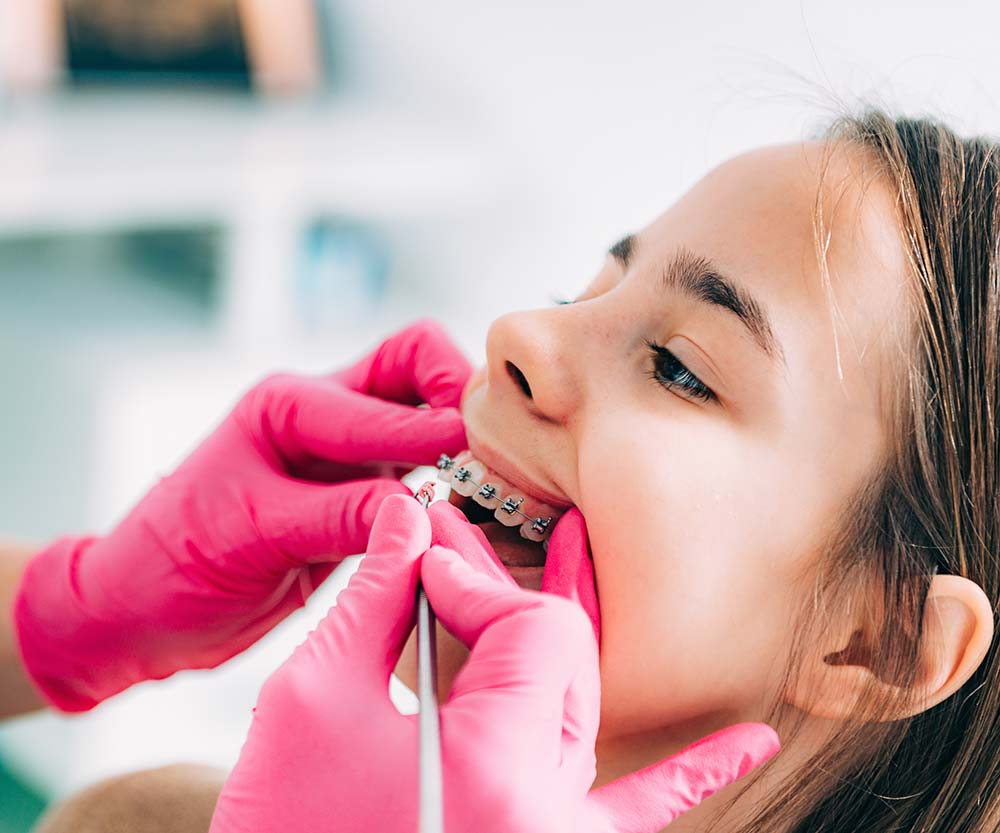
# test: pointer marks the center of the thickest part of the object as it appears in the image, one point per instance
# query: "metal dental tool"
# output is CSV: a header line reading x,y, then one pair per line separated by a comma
x,y
431,780
431,795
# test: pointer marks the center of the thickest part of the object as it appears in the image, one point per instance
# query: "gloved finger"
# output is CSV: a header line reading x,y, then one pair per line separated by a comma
x,y
352,427
450,528
362,497
364,633
301,417
314,523
646,801
572,576
526,649
569,572
581,720
418,364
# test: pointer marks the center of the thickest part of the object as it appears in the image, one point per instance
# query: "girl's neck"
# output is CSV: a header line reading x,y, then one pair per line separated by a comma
x,y
623,754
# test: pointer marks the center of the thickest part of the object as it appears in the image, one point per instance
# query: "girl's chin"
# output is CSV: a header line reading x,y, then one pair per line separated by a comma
x,y
524,559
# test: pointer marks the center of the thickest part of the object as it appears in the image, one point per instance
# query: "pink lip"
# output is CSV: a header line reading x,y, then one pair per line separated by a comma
x,y
512,475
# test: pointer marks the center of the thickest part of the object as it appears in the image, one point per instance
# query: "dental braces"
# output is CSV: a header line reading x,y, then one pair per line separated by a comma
x,y
489,491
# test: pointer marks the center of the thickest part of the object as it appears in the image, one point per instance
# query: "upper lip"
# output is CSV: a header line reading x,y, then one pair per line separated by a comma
x,y
512,474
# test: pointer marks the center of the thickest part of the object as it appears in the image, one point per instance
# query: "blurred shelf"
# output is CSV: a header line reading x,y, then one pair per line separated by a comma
x,y
83,161
259,170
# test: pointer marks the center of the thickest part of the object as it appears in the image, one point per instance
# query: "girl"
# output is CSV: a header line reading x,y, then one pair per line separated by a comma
x,y
775,407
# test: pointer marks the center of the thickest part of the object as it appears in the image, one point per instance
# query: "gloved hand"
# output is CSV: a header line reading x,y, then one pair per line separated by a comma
x,y
328,751
220,551
569,570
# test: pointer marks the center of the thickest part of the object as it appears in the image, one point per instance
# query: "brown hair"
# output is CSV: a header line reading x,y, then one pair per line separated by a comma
x,y
930,507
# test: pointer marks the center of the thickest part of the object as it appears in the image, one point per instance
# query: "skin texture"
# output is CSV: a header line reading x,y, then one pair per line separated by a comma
x,y
727,500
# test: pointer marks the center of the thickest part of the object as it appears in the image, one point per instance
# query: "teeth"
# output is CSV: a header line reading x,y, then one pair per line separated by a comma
x,y
507,512
470,478
536,529
465,477
488,495
447,465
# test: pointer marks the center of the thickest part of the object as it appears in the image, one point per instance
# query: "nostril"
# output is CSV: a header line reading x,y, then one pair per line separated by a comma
x,y
518,376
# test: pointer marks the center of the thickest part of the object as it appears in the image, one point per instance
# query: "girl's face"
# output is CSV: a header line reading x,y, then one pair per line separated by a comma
x,y
709,404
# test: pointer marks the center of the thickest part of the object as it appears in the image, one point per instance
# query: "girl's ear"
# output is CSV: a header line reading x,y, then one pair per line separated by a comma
x,y
957,632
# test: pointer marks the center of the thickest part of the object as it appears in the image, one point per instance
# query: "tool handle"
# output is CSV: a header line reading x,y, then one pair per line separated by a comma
x,y
431,798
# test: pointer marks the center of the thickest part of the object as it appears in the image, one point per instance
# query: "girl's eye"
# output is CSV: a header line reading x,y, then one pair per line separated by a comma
x,y
670,373
667,370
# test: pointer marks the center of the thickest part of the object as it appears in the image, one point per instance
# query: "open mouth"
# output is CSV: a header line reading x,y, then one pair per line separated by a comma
x,y
516,524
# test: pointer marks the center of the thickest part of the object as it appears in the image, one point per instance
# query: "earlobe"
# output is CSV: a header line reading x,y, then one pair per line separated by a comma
x,y
957,631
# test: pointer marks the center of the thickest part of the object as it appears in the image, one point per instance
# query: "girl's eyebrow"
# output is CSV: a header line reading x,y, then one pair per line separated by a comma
x,y
699,278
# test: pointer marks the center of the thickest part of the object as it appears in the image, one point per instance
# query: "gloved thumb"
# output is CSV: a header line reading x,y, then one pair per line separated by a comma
x,y
363,635
313,523
569,568
527,650
646,801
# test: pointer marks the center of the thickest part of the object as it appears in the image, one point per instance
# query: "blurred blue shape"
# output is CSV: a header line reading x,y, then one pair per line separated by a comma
x,y
342,276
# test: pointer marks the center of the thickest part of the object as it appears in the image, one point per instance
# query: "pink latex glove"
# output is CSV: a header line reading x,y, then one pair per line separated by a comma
x,y
220,551
328,751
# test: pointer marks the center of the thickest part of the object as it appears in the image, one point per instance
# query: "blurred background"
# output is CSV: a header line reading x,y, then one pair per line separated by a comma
x,y
194,193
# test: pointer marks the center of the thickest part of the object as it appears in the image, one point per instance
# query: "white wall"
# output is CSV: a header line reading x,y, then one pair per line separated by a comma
x,y
614,108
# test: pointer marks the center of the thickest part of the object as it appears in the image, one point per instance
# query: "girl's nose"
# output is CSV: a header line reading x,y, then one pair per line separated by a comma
x,y
527,354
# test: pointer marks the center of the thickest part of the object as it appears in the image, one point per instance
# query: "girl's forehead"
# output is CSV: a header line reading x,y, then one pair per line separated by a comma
x,y
805,226
764,203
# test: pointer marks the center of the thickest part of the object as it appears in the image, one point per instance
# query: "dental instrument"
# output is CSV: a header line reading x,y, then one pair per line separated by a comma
x,y
431,795
431,819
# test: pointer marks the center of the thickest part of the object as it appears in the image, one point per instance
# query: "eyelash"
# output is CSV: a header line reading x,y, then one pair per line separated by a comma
x,y
690,383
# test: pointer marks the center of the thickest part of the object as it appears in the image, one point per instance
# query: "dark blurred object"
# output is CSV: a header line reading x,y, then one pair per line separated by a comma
x,y
266,45
156,40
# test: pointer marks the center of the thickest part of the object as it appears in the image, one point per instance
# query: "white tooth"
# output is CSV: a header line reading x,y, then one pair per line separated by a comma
x,y
445,475
505,510
473,473
488,495
533,533
448,474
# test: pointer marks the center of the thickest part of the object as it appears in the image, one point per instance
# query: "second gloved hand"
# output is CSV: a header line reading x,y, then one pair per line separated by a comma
x,y
329,752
